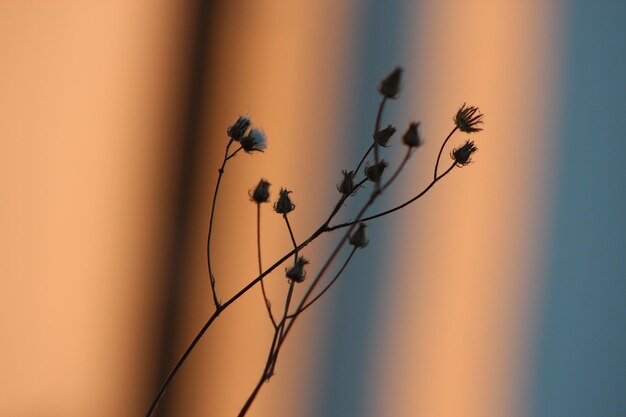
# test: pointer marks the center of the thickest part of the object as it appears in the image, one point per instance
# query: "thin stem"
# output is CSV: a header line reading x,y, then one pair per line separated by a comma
x,y
268,305
293,239
208,241
379,116
400,167
356,171
384,213
443,145
234,153
264,377
181,361
330,284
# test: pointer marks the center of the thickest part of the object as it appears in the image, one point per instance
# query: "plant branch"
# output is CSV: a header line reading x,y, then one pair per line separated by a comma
x,y
384,213
208,241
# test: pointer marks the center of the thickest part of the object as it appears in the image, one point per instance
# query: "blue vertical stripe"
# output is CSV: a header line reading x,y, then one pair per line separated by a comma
x,y
354,304
580,368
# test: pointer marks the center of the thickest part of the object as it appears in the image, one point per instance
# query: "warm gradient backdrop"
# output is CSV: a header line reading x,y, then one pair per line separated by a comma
x,y
500,294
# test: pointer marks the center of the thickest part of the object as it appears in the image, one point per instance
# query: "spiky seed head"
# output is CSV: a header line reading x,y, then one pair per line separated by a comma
x,y
463,154
238,130
284,205
467,119
296,272
346,187
382,136
375,171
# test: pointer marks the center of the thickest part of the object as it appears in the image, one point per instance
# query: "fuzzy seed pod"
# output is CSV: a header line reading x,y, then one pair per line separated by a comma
x,y
261,193
238,130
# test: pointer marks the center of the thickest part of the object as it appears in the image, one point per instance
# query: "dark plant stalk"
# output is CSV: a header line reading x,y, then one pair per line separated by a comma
x,y
356,171
208,241
443,145
379,117
268,305
319,231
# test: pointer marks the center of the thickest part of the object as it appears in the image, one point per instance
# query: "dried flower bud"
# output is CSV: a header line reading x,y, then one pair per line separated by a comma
x,y
382,136
261,193
374,172
239,129
358,238
463,154
296,272
466,119
284,205
390,86
346,187
412,137
255,141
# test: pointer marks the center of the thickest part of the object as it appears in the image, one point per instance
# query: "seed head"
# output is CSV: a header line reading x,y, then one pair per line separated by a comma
x,y
238,130
463,154
284,205
261,193
412,137
382,136
346,186
296,272
255,141
358,238
390,85
466,119
374,172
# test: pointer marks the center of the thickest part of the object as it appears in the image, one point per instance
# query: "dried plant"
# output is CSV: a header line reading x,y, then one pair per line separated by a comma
x,y
250,140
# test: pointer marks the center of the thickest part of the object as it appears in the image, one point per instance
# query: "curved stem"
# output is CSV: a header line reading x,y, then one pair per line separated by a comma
x,y
379,116
268,305
443,145
384,213
208,241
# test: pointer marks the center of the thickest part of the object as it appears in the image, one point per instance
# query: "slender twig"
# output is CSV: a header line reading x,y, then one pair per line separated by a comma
x,y
356,171
330,284
293,239
234,153
379,117
268,305
443,145
208,241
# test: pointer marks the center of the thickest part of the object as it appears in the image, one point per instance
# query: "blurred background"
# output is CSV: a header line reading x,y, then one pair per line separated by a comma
x,y
500,294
